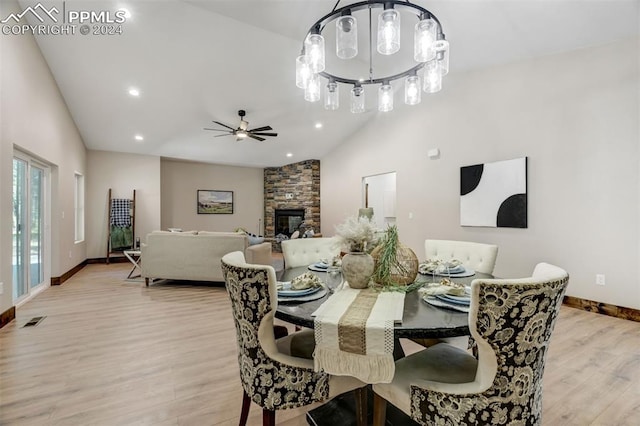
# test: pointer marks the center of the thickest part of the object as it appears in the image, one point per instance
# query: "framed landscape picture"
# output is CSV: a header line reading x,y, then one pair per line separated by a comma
x,y
215,202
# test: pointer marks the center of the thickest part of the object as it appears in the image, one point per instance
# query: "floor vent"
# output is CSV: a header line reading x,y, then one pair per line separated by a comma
x,y
34,321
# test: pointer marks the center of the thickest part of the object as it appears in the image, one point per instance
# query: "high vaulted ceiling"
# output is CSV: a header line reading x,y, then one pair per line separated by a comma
x,y
197,61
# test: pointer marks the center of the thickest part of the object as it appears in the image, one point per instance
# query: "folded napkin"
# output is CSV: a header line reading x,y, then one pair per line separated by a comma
x,y
304,281
354,334
430,266
445,286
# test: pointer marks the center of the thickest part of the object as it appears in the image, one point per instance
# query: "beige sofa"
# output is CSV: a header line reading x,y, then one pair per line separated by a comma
x,y
195,255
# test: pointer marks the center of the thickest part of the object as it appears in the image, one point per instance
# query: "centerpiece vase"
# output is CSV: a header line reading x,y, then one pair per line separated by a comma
x,y
357,268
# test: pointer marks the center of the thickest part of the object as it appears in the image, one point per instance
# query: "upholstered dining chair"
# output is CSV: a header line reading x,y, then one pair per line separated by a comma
x,y
511,320
305,251
275,374
477,256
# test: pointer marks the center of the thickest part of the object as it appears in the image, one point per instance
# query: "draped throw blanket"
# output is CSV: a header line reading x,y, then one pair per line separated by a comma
x,y
121,238
121,235
121,212
354,334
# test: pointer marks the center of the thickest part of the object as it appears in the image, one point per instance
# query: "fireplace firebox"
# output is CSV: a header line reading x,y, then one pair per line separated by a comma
x,y
287,221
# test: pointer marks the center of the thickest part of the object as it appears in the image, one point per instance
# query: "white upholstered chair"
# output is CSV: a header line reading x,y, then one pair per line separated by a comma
x,y
477,256
511,320
275,374
305,251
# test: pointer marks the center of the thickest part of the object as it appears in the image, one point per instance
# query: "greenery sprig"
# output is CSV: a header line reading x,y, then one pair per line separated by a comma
x,y
387,262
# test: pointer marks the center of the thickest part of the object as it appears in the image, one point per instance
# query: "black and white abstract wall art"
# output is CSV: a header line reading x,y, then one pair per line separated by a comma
x,y
494,194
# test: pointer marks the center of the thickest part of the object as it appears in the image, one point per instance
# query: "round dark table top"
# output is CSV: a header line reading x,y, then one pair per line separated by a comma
x,y
420,320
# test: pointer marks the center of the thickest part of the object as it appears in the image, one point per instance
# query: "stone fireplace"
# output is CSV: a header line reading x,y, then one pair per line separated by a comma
x,y
294,192
287,221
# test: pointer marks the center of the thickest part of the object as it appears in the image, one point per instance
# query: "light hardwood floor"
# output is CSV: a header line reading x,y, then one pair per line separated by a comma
x,y
113,352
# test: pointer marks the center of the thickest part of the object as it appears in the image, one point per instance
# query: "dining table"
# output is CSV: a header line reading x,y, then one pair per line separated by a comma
x,y
420,320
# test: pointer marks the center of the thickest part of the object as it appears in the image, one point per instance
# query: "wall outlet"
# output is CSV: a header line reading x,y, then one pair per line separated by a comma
x,y
288,196
600,279
1,288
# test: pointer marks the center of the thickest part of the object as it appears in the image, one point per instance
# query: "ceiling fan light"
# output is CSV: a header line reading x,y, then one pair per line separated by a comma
x,y
385,98
303,71
441,48
241,134
314,49
388,32
331,96
346,37
423,38
357,99
412,90
312,92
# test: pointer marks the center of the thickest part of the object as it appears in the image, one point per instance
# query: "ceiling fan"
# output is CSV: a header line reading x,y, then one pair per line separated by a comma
x,y
242,132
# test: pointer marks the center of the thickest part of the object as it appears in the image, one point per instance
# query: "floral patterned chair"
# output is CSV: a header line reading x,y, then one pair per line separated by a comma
x,y
275,374
511,320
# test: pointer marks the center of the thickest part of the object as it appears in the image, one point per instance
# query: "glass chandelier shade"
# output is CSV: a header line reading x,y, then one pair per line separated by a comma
x,y
432,78
314,49
430,61
346,37
424,36
388,32
303,71
385,98
357,99
412,90
441,48
312,92
332,96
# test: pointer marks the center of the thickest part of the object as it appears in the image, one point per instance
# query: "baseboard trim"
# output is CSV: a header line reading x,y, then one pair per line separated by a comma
x,y
7,316
603,308
112,259
59,280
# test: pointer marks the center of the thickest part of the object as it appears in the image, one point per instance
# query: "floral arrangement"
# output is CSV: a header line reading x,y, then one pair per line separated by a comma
x,y
357,234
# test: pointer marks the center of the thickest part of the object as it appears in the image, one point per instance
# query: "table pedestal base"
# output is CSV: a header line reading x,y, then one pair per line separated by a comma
x,y
341,411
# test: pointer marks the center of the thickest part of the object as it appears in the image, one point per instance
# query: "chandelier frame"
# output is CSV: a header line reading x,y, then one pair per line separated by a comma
x,y
321,23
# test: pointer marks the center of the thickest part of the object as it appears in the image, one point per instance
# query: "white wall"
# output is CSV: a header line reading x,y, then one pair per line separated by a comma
x,y
575,115
35,118
182,179
122,173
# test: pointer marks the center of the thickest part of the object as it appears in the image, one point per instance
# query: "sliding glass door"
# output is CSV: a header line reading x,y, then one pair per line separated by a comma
x,y
29,218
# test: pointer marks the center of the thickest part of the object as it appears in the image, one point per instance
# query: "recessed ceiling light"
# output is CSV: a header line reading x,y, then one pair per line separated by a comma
x,y
139,137
318,125
134,92
289,154
127,14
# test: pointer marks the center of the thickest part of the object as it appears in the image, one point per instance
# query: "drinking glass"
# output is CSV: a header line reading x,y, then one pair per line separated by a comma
x,y
333,278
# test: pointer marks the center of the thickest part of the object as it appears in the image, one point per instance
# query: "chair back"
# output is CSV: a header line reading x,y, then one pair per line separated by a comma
x,y
305,251
477,256
511,321
269,382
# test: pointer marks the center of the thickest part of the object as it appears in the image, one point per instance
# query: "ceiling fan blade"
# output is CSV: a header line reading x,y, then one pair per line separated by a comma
x,y
223,125
251,135
264,134
260,129
217,130
218,136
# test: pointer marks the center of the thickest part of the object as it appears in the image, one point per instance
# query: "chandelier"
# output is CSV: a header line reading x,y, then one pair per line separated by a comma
x,y
430,55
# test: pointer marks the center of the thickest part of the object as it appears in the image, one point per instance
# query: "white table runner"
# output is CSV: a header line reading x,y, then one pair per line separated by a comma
x,y
354,334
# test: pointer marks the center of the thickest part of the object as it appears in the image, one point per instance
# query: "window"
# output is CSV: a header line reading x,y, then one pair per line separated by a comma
x,y
79,207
